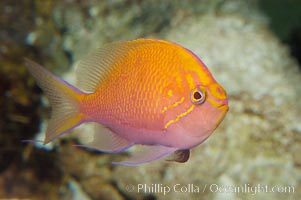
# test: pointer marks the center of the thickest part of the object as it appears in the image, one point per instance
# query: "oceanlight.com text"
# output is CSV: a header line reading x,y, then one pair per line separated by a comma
x,y
251,189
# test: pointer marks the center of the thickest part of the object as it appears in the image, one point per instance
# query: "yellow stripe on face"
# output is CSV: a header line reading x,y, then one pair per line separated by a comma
x,y
217,91
178,117
172,105
190,81
218,95
214,103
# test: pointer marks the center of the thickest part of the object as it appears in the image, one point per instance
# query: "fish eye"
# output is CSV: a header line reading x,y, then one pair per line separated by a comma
x,y
198,95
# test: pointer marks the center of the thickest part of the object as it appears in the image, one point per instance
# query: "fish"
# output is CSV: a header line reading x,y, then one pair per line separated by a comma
x,y
150,93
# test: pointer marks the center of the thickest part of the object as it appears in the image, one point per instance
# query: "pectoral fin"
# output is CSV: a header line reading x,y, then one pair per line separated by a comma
x,y
106,141
148,154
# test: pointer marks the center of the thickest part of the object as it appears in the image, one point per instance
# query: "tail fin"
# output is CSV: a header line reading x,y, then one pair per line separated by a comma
x,y
64,100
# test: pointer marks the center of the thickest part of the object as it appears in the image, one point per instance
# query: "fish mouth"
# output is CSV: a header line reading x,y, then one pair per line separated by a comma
x,y
224,107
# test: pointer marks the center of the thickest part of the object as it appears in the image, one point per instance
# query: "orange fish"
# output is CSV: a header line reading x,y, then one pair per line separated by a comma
x,y
145,92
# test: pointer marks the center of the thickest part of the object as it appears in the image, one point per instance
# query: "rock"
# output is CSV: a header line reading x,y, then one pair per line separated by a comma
x,y
21,173
255,145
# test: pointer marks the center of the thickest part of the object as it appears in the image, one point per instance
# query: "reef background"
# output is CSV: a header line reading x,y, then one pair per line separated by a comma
x,y
252,48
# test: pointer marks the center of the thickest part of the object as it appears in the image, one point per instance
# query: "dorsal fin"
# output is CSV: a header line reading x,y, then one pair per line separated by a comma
x,y
95,66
